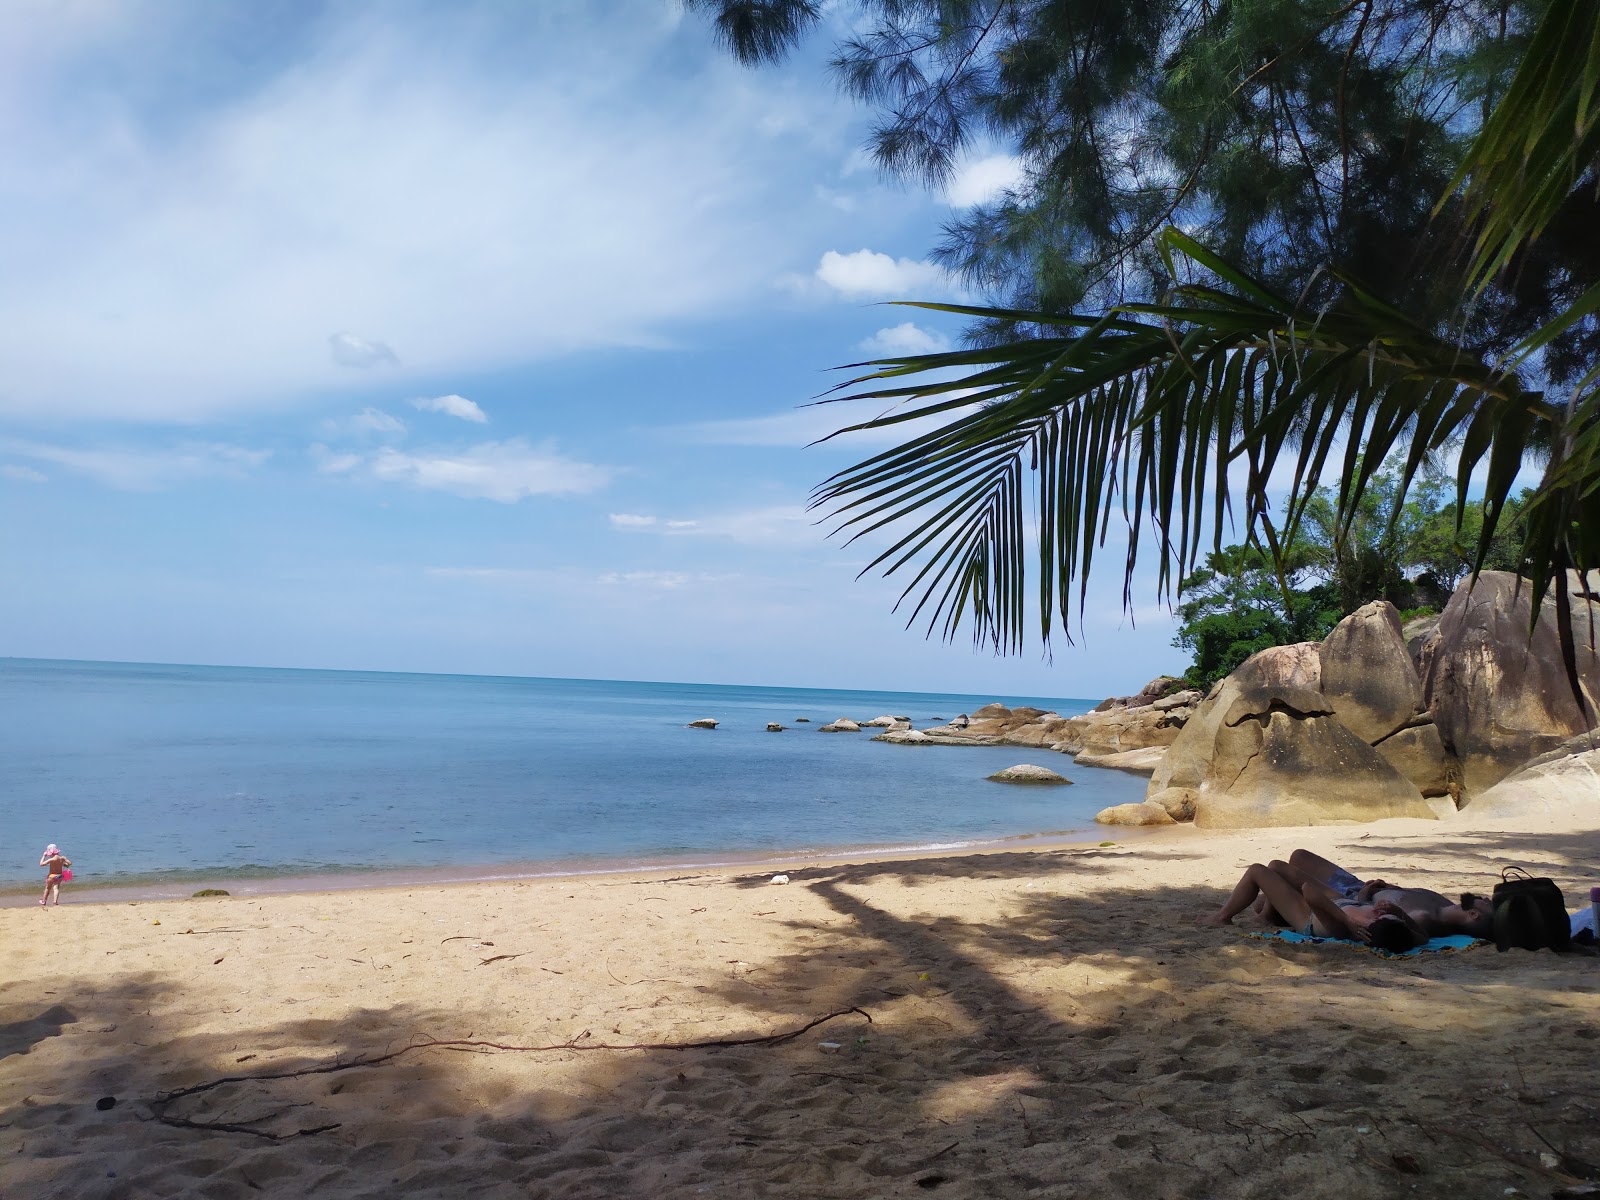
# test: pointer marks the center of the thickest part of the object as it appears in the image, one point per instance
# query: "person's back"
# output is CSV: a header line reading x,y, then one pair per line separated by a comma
x,y
1436,913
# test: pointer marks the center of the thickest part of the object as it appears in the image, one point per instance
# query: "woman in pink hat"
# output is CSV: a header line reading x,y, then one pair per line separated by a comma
x,y
55,864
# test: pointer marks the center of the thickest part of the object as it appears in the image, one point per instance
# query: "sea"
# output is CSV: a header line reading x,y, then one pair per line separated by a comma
x,y
157,780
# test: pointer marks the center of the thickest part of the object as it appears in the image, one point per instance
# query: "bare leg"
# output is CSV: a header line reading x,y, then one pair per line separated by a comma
x,y
1284,898
1314,866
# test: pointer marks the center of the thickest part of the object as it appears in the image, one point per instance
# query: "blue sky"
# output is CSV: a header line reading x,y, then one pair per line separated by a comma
x,y
456,338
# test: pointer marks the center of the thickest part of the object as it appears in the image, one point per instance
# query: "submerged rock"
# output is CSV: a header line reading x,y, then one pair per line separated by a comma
x,y
1028,773
774,727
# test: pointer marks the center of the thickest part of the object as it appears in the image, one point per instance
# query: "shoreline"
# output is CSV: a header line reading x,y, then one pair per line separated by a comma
x,y
365,879
1020,1020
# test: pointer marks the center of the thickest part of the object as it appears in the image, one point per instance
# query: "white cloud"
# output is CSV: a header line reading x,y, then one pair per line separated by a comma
x,y
454,406
807,425
140,470
869,273
978,181
23,474
903,340
368,422
330,463
476,187
350,351
778,524
504,471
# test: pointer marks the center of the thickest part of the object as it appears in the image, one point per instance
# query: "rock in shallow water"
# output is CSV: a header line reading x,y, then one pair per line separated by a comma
x,y
842,725
703,723
1028,773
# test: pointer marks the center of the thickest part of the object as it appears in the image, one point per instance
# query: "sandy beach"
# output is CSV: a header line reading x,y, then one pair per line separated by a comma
x,y
1039,1023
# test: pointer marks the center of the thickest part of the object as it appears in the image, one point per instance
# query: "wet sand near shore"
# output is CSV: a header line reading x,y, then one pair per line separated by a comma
x,y
1039,1022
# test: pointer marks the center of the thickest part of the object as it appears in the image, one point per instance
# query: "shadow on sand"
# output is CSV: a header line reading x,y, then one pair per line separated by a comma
x,y
1073,1045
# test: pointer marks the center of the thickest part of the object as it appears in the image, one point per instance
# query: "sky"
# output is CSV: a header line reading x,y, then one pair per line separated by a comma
x,y
468,338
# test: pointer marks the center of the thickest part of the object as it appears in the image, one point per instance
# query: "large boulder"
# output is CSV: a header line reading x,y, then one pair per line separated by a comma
x,y
1499,695
842,725
1147,813
1418,753
1276,766
1566,780
1368,678
1289,677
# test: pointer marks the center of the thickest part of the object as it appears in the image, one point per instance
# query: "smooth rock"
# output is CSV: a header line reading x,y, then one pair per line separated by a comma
x,y
1179,802
1418,753
1499,697
1286,677
1028,773
1147,812
703,723
1368,677
1277,767
1143,761
774,727
842,725
931,737
1184,699
881,723
802,720
990,712
1117,729
1563,780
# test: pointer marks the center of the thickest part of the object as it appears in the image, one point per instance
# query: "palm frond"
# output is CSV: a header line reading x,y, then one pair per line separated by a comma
x,y
1147,411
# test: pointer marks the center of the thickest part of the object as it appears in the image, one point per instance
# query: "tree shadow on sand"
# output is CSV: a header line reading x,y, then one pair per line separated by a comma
x,y
1045,1042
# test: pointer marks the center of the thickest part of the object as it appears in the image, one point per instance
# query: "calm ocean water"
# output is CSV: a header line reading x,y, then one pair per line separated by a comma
x,y
147,773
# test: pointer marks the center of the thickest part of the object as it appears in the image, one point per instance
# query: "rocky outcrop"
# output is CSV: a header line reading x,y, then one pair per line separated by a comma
x,y
1418,753
931,737
1367,674
842,725
1278,766
774,727
1028,773
1499,695
703,723
1266,748
1147,813
1141,762
887,722
1566,779
1156,689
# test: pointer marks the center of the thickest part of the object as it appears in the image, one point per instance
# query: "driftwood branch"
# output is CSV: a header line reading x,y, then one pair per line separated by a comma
x,y
160,1105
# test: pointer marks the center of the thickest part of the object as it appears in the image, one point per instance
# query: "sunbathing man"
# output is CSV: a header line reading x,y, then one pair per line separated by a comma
x,y
1437,915
1316,909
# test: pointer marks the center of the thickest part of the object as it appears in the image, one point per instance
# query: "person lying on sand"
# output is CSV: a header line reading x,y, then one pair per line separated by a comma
x,y
1437,915
1314,908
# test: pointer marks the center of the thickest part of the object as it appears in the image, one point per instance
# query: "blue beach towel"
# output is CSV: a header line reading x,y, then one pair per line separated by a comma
x,y
1438,945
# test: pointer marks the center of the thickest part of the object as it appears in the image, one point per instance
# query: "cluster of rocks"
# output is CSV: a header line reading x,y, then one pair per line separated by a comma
x,y
1371,723
1466,711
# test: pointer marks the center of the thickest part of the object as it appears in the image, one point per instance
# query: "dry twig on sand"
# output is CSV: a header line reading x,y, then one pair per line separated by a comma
x,y
160,1105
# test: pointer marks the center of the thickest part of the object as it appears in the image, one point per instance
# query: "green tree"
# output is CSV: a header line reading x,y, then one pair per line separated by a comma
x,y
1285,135
1238,603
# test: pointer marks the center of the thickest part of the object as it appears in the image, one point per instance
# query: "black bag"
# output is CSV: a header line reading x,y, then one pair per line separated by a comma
x,y
1530,913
